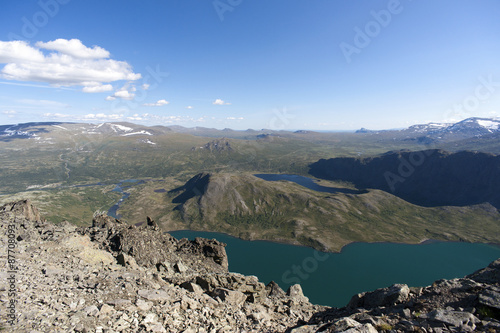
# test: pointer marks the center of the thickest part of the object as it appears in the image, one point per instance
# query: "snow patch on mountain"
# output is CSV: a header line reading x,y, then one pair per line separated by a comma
x,y
64,128
489,124
18,133
469,127
143,132
122,128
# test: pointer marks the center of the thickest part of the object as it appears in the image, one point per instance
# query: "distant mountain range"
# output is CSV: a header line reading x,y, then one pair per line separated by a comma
x,y
37,129
468,128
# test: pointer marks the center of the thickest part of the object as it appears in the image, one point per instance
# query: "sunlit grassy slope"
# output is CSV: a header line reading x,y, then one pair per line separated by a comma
x,y
251,208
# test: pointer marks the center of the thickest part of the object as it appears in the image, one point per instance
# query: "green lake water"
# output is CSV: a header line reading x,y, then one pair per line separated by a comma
x,y
333,278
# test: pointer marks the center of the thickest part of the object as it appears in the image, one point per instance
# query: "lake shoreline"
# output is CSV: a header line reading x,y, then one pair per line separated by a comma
x,y
320,245
284,242
332,278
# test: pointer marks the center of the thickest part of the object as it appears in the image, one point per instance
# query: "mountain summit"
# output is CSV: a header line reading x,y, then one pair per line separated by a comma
x,y
470,127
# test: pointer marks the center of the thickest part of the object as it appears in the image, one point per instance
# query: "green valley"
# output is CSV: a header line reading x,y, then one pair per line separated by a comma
x,y
203,179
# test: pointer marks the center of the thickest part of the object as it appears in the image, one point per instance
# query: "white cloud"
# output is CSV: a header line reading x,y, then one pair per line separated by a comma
x,y
19,51
189,107
72,64
219,101
87,117
136,116
56,115
145,86
125,93
161,102
97,88
102,116
32,85
74,48
144,118
9,113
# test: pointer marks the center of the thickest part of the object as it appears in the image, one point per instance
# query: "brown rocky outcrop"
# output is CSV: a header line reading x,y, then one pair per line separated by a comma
x,y
112,277
150,247
217,145
23,209
459,305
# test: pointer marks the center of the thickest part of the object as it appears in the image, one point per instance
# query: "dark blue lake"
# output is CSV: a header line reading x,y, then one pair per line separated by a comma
x,y
333,278
306,182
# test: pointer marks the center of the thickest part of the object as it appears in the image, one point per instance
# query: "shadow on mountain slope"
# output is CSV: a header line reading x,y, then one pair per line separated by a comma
x,y
195,186
428,178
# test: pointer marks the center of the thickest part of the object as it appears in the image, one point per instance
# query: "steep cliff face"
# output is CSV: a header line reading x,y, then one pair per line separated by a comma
x,y
150,247
427,178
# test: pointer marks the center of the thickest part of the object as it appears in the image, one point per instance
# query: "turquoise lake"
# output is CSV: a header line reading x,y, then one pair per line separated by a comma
x,y
333,278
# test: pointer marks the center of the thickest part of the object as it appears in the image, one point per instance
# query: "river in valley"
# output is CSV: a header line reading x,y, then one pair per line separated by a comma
x,y
121,188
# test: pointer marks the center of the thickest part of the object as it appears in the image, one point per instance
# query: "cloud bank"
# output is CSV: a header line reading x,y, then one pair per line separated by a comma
x,y
161,102
69,63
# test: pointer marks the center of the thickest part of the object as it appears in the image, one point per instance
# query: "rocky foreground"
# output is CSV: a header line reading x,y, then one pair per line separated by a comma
x,y
113,277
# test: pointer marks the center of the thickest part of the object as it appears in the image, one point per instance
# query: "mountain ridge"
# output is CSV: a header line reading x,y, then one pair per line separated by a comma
x,y
428,178
470,127
245,206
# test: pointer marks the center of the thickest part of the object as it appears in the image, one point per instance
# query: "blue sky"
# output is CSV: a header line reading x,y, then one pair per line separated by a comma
x,y
294,64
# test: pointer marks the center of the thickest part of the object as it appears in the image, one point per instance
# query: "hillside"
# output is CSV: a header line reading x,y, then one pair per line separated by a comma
x,y
74,153
73,169
429,178
249,207
50,155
